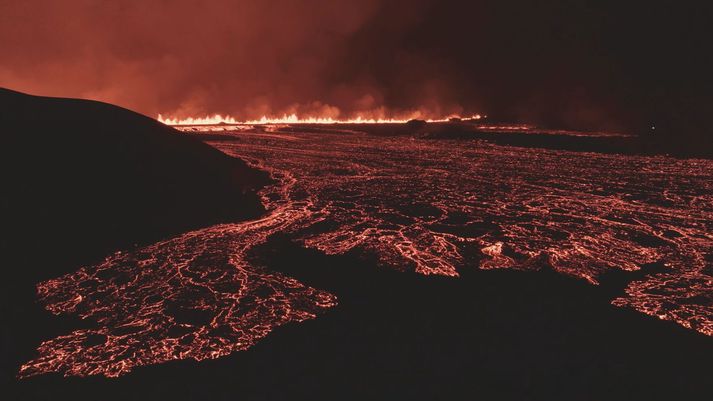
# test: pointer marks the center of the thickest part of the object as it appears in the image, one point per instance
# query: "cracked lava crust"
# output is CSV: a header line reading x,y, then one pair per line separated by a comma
x,y
433,206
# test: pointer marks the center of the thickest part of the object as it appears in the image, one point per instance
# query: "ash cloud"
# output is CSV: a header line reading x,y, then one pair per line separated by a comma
x,y
187,57
573,64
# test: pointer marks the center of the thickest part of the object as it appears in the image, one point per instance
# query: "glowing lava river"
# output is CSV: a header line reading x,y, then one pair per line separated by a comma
x,y
435,207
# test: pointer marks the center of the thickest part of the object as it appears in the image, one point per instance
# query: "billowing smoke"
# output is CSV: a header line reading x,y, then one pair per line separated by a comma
x,y
245,58
578,64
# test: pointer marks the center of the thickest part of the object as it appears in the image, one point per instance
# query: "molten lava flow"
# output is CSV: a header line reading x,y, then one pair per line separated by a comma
x,y
437,206
194,296
294,119
431,206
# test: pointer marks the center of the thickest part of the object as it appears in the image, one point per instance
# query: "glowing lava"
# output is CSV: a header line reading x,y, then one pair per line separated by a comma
x,y
294,119
437,206
193,296
431,206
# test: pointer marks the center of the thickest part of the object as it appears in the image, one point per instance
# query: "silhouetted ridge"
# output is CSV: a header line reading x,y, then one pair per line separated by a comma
x,y
84,178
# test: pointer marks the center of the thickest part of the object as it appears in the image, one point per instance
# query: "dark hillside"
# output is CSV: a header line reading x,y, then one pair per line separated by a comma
x,y
84,178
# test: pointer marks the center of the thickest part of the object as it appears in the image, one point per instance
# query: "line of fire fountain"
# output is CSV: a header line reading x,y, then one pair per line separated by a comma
x,y
218,119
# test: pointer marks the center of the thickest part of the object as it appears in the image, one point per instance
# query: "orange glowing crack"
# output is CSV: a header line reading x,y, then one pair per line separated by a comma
x,y
193,296
431,206
217,119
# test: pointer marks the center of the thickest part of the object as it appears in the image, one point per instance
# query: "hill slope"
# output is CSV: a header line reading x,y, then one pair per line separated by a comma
x,y
83,178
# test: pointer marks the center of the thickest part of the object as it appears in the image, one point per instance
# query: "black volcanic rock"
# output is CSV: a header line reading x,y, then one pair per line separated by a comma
x,y
415,123
83,178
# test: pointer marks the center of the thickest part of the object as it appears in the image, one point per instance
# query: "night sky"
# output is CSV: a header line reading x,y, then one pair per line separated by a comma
x,y
573,64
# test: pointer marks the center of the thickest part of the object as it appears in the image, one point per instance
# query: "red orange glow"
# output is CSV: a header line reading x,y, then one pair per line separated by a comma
x,y
294,119
433,207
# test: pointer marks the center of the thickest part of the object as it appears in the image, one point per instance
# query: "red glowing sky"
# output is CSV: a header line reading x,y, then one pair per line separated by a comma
x,y
603,65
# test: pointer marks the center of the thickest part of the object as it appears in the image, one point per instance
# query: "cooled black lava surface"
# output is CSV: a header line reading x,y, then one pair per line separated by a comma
x,y
493,335
355,217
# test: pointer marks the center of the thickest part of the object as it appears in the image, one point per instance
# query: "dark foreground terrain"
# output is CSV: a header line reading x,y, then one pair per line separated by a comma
x,y
83,179
488,335
385,225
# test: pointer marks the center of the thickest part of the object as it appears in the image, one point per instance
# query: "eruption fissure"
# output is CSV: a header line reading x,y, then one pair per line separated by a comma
x,y
294,119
